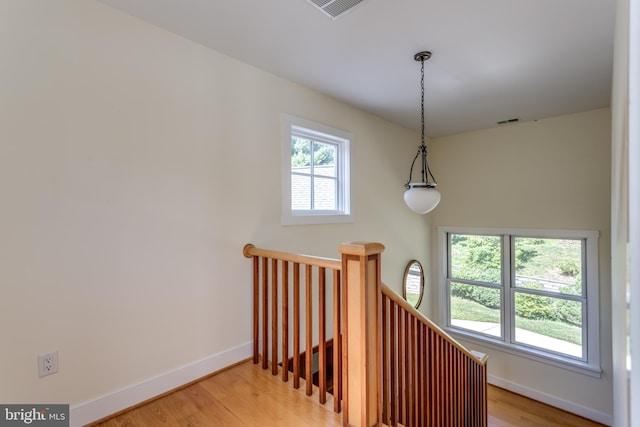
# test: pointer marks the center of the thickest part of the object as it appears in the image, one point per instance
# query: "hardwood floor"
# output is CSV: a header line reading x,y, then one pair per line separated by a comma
x,y
245,395
508,409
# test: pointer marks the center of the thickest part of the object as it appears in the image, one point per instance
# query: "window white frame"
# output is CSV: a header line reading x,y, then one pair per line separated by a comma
x,y
590,362
295,126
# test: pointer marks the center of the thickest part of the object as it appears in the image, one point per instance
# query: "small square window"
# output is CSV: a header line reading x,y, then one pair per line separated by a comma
x,y
315,175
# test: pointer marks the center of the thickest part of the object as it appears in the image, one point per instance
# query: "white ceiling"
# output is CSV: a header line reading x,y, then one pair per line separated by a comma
x,y
492,59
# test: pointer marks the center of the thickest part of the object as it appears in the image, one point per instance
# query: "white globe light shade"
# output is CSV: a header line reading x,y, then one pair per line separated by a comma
x,y
422,200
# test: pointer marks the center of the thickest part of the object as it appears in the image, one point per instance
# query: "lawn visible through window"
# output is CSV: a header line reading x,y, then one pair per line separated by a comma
x,y
538,324
468,313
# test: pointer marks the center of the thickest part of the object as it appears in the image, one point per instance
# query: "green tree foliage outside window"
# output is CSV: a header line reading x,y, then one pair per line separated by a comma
x,y
323,154
478,258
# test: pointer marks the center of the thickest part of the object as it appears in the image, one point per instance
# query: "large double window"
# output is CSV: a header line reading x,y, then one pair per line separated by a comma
x,y
532,292
316,187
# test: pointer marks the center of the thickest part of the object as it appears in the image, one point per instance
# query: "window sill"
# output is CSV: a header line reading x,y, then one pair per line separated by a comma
x,y
310,219
528,352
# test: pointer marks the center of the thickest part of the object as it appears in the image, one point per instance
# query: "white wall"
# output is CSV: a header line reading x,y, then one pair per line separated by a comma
x,y
134,166
552,173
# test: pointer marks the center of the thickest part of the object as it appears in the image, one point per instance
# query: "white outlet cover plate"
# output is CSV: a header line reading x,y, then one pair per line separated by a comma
x,y
47,363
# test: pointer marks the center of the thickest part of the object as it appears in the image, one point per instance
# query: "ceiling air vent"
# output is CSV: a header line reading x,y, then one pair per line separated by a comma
x,y
335,8
508,121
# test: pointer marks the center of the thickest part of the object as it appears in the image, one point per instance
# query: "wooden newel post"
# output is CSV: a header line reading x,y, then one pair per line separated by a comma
x,y
362,403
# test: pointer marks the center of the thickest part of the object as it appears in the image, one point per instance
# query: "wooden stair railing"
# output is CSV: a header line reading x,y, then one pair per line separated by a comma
x,y
277,276
390,365
428,379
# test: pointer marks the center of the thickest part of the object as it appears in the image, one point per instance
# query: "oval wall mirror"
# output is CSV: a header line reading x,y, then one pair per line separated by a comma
x,y
413,283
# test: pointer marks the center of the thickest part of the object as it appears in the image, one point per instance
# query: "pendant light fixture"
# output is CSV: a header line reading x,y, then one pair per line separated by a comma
x,y
422,197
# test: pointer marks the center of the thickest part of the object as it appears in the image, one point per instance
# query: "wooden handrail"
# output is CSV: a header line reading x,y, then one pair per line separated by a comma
x,y
479,357
250,251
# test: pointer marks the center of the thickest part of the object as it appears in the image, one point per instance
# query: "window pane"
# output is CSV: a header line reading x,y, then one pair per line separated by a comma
x,y
300,192
324,159
476,258
476,308
549,323
554,265
324,193
300,152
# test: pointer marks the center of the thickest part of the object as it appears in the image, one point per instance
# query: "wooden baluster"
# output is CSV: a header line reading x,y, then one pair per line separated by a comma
x,y
322,335
459,382
463,393
419,378
467,394
435,380
337,345
309,330
345,348
285,321
423,375
441,381
481,394
385,361
483,385
449,382
414,371
401,368
438,379
476,400
296,325
445,384
256,309
409,372
430,380
465,390
394,373
265,313
408,367
441,384
274,316
474,394
454,396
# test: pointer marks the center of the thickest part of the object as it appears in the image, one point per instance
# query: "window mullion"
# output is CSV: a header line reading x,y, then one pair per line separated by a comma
x,y
507,280
476,283
447,276
338,178
543,293
312,173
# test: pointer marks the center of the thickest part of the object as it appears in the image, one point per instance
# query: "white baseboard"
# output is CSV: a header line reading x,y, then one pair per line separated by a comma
x,y
93,410
574,408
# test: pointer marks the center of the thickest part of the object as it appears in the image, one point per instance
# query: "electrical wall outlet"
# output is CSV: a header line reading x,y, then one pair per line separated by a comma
x,y
48,363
